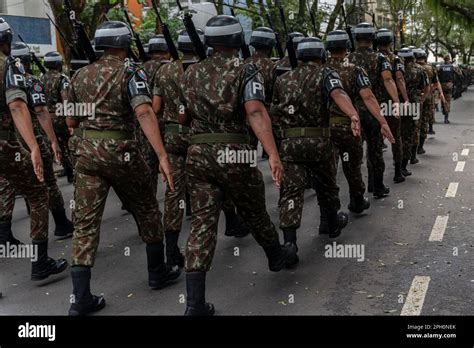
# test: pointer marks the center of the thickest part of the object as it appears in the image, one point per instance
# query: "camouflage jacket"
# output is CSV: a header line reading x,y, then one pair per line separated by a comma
x,y
55,83
267,69
36,95
432,77
12,87
114,88
374,63
354,78
151,67
301,99
214,92
167,86
415,79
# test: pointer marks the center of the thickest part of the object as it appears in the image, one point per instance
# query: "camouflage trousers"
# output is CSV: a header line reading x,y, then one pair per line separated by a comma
x,y
7,192
17,176
408,130
323,173
208,183
102,164
371,133
448,94
397,147
349,149
426,116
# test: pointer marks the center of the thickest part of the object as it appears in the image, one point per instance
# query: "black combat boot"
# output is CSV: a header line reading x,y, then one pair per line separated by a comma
x,y
413,159
421,150
196,304
159,273
336,222
84,302
358,204
188,204
380,190
64,227
446,119
173,254
45,266
431,130
5,230
69,174
234,226
279,256
398,178
370,181
323,221
404,169
289,237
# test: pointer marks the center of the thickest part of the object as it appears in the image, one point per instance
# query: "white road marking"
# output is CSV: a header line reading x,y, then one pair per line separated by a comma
x,y
460,166
452,190
465,152
468,144
439,228
416,296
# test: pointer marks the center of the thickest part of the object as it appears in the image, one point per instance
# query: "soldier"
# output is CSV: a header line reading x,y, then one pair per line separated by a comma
x,y
37,106
357,85
380,74
56,88
428,105
109,156
218,92
23,170
300,100
385,40
446,78
416,82
159,55
166,95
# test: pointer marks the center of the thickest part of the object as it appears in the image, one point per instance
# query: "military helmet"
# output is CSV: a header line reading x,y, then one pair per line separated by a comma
x,y
184,41
405,52
263,37
22,51
223,30
337,39
447,57
419,53
310,48
157,44
53,60
385,36
364,31
113,34
6,33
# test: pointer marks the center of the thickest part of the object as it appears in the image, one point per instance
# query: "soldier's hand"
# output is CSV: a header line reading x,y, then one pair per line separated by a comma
x,y
396,110
387,133
37,163
56,152
166,172
277,170
355,125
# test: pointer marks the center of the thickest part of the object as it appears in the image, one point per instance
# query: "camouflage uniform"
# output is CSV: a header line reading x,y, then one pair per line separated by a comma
x,y
374,63
420,123
346,144
300,99
415,81
15,161
213,92
446,77
167,86
56,83
36,97
151,68
428,112
109,156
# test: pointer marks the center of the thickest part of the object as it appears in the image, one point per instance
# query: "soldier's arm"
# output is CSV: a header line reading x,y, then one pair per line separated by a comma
x,y
72,122
390,85
402,86
64,87
373,106
42,113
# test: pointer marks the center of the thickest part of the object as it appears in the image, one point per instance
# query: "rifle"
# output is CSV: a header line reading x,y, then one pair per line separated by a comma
x,y
280,51
71,46
192,33
33,57
244,48
375,26
348,29
289,40
141,51
166,33
313,20
86,51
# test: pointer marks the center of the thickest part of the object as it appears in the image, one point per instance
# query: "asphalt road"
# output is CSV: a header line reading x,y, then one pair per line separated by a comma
x,y
395,234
